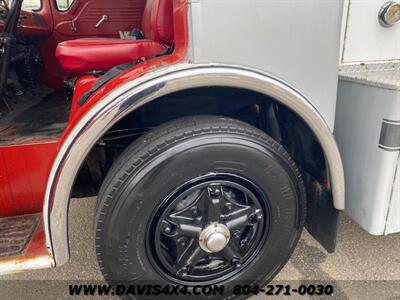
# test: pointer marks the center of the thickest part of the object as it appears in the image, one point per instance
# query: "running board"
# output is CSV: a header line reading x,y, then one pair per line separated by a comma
x,y
23,244
15,233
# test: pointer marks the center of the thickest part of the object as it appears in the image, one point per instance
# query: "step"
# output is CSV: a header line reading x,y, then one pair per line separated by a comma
x,y
23,244
15,233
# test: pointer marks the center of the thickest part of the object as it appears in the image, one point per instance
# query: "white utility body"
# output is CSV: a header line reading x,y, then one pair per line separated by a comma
x,y
367,127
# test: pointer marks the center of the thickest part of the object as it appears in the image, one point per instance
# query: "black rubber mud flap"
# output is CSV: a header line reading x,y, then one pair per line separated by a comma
x,y
322,217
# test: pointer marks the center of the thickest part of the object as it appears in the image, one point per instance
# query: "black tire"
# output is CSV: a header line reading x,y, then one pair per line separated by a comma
x,y
154,166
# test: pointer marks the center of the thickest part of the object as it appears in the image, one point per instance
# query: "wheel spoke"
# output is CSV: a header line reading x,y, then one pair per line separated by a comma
x,y
189,258
231,251
215,195
189,215
190,230
203,203
239,219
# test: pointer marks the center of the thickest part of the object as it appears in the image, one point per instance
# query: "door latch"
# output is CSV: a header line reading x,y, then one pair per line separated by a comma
x,y
73,26
103,19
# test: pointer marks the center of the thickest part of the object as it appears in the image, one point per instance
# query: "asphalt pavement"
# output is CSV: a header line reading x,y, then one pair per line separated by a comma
x,y
363,267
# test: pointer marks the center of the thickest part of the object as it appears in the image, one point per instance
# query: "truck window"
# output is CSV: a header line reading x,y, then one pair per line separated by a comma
x,y
29,4
64,5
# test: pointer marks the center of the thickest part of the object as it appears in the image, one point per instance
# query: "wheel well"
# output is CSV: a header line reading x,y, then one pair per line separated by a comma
x,y
259,110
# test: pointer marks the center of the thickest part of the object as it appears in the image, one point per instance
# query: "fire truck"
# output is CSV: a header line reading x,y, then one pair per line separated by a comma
x,y
211,131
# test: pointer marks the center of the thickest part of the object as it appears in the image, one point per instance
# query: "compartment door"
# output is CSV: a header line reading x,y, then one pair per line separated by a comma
x,y
365,39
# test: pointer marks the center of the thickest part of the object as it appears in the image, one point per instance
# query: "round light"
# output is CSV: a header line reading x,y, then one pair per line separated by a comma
x,y
389,14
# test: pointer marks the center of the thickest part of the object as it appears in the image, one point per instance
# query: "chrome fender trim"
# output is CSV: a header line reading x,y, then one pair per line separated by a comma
x,y
137,93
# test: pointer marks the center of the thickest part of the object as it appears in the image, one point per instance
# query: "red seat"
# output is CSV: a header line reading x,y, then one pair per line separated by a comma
x,y
84,55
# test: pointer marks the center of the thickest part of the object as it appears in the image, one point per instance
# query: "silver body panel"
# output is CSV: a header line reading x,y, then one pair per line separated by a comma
x,y
368,102
298,41
368,117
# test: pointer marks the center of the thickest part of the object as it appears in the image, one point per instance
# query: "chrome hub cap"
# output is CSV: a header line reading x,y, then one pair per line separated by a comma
x,y
214,238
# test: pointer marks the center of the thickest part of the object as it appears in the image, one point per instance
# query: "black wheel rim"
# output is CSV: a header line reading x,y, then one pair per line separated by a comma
x,y
178,244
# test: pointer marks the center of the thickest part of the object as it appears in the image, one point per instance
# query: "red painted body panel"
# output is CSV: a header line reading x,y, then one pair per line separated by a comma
x,y
82,85
37,246
24,170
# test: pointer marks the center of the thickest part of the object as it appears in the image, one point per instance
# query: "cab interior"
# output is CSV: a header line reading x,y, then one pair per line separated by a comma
x,y
57,42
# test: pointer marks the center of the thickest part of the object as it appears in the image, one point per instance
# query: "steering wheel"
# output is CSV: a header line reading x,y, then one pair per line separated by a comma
x,y
4,3
4,9
7,41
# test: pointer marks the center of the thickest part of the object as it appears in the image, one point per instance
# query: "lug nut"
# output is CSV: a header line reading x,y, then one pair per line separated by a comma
x,y
259,214
184,274
256,217
228,206
167,229
215,191
236,234
252,220
229,195
236,263
194,210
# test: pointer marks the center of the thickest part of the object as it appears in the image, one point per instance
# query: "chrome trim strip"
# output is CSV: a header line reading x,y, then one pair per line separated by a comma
x,y
393,122
390,135
391,149
132,95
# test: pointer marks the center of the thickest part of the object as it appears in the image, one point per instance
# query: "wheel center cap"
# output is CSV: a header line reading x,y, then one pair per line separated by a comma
x,y
214,238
